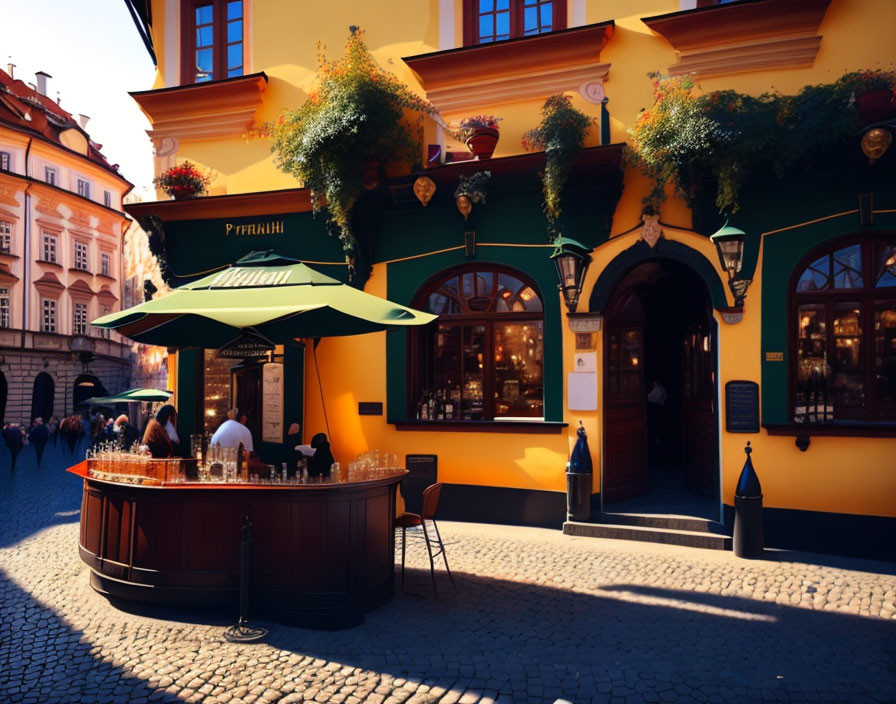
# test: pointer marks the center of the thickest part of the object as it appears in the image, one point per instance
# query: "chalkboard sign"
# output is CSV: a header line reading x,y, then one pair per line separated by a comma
x,y
370,408
742,407
423,471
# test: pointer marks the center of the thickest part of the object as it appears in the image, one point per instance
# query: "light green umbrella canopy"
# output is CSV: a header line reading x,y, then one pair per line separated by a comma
x,y
131,396
275,297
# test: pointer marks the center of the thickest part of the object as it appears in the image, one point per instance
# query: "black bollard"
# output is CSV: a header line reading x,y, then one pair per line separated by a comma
x,y
749,540
579,474
242,632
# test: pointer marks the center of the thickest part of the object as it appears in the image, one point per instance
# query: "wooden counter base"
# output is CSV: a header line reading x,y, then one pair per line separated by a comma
x,y
322,555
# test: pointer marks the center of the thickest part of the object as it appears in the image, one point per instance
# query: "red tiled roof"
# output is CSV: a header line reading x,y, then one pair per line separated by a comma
x,y
24,108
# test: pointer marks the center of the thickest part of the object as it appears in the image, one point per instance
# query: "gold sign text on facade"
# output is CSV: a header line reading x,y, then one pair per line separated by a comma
x,y
275,227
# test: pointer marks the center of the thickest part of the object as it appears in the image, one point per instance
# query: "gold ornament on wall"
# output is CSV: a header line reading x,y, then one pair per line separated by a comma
x,y
424,187
875,143
465,206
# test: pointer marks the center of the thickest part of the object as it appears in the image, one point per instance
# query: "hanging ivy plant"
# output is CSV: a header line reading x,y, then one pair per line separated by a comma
x,y
561,135
687,137
359,112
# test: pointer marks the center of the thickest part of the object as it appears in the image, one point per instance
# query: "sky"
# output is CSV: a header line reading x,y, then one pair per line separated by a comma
x,y
95,56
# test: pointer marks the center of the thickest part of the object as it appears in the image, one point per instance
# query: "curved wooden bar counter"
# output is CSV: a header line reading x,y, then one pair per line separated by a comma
x,y
322,554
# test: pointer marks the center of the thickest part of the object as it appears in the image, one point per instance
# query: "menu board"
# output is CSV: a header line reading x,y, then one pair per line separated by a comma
x,y
742,407
272,402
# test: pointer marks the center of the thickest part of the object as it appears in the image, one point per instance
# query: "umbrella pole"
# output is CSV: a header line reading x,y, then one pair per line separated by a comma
x,y
321,389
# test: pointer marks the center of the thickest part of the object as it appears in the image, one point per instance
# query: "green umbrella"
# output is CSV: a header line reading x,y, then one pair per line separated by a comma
x,y
263,294
131,396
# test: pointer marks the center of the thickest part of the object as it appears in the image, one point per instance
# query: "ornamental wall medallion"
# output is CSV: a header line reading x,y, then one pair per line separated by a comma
x,y
651,230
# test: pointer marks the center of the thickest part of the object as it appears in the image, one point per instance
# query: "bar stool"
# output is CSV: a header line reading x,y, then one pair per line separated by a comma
x,y
434,544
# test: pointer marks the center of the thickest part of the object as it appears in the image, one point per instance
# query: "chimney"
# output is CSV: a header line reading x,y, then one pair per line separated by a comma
x,y
82,121
41,77
10,68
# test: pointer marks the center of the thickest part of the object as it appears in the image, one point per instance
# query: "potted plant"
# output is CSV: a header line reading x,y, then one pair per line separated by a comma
x,y
472,189
873,94
561,135
687,139
183,181
480,133
359,118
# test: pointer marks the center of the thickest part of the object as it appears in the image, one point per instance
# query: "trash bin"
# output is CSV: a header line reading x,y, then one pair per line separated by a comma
x,y
749,539
579,478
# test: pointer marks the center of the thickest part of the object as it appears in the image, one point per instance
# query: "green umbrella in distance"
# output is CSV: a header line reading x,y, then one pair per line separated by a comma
x,y
263,294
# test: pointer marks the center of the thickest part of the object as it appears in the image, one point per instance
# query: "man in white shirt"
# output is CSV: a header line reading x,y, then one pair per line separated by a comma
x,y
232,433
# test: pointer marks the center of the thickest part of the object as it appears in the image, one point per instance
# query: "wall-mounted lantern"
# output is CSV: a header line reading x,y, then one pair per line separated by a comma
x,y
729,242
572,259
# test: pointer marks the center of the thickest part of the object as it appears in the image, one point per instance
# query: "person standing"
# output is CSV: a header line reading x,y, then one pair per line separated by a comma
x,y
232,433
161,433
322,460
13,436
38,436
656,415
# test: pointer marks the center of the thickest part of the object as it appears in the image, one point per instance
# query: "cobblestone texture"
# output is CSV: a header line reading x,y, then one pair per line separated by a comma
x,y
539,617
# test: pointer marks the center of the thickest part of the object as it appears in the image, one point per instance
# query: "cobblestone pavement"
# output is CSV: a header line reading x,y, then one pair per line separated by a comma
x,y
539,617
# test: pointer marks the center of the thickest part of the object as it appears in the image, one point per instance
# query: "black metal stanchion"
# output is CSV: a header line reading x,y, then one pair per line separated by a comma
x,y
579,478
748,529
242,632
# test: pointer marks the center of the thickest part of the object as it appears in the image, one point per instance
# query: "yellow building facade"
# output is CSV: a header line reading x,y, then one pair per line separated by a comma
x,y
655,301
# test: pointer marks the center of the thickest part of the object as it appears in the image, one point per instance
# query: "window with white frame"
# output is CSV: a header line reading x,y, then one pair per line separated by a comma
x,y
48,253
5,309
48,315
81,256
5,161
107,199
51,175
105,264
5,237
79,319
83,188
104,332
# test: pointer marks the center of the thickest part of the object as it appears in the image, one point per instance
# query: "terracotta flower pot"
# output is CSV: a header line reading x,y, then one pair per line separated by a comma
x,y
483,142
875,106
183,192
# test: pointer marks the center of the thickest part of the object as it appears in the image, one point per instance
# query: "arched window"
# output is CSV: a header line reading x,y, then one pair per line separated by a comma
x,y
483,358
844,300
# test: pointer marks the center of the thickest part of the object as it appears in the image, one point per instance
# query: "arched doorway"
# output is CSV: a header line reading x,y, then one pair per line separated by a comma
x,y
4,393
86,386
660,457
42,395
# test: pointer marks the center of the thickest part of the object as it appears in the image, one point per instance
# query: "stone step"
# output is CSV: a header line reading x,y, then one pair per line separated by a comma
x,y
663,521
688,538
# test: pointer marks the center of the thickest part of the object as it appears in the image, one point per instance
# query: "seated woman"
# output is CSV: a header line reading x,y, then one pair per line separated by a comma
x,y
322,459
158,436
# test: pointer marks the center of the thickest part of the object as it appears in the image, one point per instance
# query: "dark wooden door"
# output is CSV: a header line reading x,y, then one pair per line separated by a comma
x,y
700,447
625,413
247,382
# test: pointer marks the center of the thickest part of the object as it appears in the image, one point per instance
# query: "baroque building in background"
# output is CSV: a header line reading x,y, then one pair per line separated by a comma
x,y
61,228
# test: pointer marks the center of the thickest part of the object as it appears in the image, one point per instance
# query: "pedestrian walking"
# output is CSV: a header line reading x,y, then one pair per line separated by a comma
x,y
38,436
15,439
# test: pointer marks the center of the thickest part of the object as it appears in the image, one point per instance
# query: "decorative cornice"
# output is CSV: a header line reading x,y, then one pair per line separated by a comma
x,y
49,283
457,80
203,110
6,274
106,293
80,287
745,36
290,200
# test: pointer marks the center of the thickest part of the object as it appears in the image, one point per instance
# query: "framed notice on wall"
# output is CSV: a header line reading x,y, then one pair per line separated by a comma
x,y
272,403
